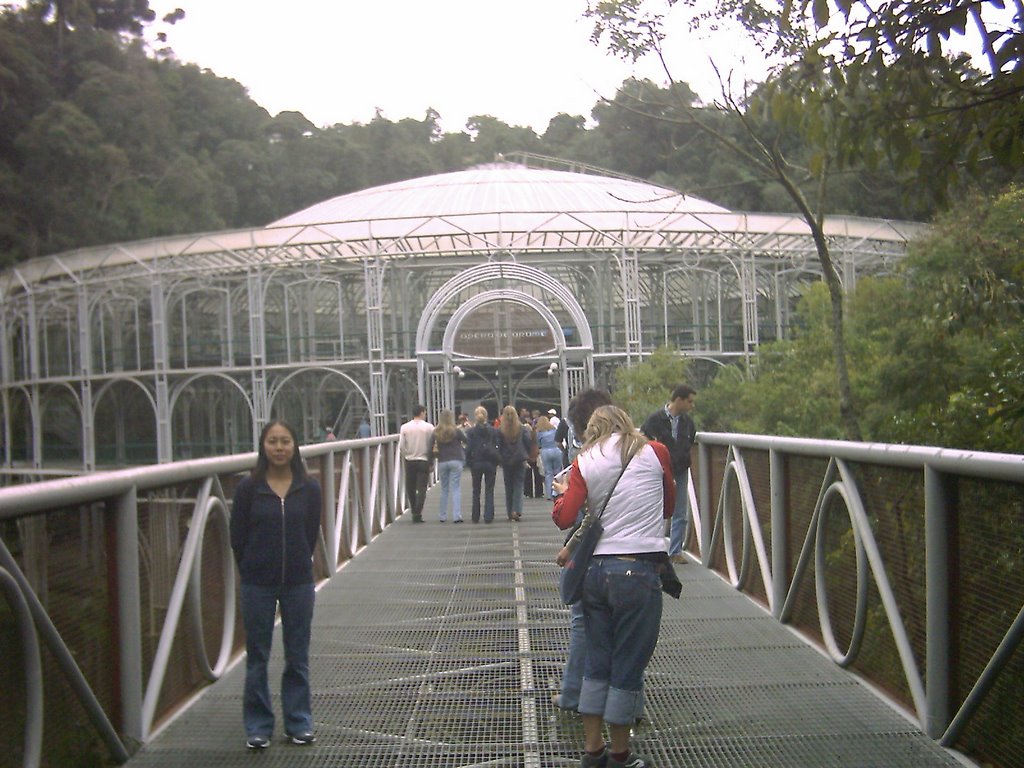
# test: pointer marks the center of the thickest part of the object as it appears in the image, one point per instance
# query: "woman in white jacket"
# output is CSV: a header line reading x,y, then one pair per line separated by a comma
x,y
622,587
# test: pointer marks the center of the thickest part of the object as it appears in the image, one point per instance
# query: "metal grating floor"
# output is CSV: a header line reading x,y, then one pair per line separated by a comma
x,y
440,644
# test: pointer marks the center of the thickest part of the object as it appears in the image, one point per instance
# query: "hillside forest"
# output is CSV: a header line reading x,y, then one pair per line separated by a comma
x,y
105,137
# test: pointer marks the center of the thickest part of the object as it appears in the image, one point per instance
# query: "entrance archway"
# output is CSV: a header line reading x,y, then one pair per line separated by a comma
x,y
506,333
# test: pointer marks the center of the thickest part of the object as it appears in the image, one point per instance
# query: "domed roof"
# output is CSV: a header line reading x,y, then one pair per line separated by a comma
x,y
501,188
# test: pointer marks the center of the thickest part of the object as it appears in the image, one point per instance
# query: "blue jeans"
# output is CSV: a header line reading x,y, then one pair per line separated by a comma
x,y
680,515
450,476
622,615
483,474
259,605
513,475
552,460
575,661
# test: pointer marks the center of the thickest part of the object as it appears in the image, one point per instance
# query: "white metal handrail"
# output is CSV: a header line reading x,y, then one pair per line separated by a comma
x,y
356,509
931,692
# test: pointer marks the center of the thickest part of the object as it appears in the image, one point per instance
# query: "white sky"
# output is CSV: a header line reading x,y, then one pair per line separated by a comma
x,y
337,61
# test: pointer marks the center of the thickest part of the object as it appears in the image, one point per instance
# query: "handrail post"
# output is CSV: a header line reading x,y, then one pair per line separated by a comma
x,y
780,531
940,558
704,502
330,511
129,611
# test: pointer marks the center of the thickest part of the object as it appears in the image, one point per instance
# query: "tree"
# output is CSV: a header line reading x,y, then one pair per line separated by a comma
x,y
898,82
937,350
633,32
643,388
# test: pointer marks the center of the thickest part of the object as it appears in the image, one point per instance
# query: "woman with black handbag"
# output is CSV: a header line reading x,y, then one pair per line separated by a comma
x,y
630,479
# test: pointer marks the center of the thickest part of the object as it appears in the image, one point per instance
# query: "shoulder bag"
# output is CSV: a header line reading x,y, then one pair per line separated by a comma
x,y
570,581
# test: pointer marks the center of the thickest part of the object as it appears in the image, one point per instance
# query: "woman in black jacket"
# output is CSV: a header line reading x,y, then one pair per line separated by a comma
x,y
514,448
482,458
275,523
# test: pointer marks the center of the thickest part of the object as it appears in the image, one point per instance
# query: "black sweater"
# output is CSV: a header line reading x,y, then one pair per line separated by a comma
x,y
273,539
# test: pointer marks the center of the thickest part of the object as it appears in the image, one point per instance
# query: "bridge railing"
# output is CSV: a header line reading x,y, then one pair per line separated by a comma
x,y
905,564
119,583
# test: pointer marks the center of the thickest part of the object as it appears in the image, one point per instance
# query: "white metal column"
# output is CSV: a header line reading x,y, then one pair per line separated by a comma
x,y
164,451
85,372
630,268
258,353
373,276
748,286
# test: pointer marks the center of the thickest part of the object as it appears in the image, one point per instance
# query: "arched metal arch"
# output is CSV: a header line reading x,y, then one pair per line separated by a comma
x,y
102,392
497,271
275,390
488,297
181,386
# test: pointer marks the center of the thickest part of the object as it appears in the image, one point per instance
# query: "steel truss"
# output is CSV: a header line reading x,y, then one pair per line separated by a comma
x,y
185,346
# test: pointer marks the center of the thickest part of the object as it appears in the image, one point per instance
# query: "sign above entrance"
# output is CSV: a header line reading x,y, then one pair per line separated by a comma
x,y
503,329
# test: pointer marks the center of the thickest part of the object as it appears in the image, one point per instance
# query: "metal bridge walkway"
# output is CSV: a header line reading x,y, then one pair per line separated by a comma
x,y
440,645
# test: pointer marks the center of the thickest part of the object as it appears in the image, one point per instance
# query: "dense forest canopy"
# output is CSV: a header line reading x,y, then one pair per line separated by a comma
x,y
104,139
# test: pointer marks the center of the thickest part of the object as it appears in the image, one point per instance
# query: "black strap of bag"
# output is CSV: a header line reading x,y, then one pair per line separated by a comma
x,y
612,491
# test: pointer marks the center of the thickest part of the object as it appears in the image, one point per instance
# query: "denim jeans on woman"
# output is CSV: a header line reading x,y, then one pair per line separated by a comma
x,y
513,475
259,605
551,458
622,616
449,475
483,474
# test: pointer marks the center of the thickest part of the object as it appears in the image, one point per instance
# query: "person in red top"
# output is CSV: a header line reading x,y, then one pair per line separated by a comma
x,y
631,478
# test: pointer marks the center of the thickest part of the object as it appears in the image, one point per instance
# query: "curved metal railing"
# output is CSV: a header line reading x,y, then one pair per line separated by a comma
x,y
362,492
778,542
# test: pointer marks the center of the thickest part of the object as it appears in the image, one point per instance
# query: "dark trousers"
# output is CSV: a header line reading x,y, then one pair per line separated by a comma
x,y
417,472
533,481
483,475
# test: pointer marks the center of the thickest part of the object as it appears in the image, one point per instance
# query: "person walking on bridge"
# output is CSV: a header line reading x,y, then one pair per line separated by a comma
x,y
672,426
514,448
448,444
414,447
483,458
275,524
630,479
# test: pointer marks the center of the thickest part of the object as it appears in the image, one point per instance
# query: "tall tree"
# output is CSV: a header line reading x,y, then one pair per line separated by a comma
x,y
632,32
930,108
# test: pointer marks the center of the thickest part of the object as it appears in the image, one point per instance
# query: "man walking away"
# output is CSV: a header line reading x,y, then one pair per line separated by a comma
x,y
413,445
673,427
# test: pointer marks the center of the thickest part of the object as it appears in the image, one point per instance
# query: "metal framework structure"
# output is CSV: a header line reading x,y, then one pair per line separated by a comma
x,y
531,282
802,526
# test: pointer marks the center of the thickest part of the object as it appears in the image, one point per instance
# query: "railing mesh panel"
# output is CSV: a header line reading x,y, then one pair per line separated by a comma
x,y
64,557
990,575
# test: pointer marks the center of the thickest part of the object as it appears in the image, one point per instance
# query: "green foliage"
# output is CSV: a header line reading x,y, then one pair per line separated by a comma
x,y
643,388
936,351
157,148
889,83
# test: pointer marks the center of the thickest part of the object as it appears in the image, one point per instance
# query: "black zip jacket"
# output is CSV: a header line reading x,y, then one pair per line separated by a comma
x,y
658,427
273,538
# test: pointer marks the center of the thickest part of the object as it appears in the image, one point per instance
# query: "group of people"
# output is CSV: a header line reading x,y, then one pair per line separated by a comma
x,y
514,442
632,479
636,478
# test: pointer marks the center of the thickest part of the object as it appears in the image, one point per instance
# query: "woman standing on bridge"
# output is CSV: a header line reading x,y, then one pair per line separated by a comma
x,y
448,445
514,448
275,523
631,478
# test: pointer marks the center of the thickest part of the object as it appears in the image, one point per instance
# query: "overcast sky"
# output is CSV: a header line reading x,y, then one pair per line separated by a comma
x,y
337,61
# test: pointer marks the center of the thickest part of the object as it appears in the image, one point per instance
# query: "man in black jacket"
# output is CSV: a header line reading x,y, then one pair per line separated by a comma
x,y
673,427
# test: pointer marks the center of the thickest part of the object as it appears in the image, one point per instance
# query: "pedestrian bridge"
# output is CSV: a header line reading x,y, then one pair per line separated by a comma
x,y
845,605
